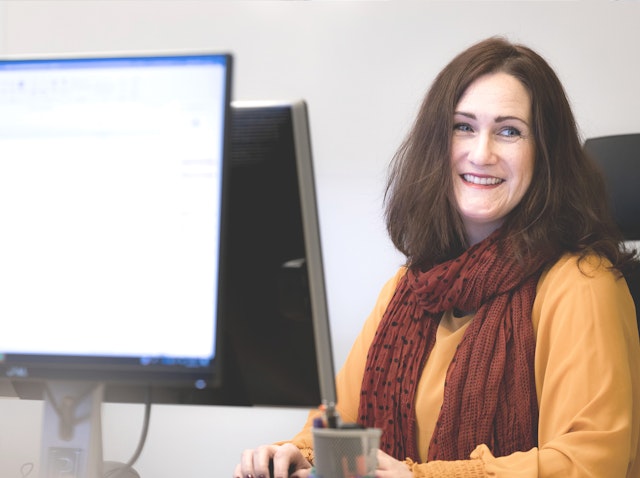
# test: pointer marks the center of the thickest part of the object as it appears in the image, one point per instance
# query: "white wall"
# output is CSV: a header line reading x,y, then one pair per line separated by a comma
x,y
363,68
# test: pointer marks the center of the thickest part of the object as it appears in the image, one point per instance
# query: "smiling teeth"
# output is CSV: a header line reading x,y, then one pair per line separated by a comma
x,y
483,181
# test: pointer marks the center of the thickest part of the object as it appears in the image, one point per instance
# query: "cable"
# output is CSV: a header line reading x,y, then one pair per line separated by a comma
x,y
141,442
26,469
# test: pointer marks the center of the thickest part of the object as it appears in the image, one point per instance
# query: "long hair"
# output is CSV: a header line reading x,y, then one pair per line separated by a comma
x,y
565,208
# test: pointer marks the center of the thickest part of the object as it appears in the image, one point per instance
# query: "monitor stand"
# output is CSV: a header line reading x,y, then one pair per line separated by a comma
x,y
71,443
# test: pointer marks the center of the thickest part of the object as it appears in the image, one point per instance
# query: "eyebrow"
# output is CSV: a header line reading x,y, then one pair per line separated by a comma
x,y
497,119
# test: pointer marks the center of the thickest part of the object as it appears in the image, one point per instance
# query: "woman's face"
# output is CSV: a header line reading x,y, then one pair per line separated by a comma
x,y
492,152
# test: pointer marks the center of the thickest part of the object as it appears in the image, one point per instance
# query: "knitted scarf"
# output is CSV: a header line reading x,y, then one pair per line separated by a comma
x,y
489,392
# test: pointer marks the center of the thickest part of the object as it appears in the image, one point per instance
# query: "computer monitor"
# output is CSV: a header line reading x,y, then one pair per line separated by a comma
x,y
112,184
276,331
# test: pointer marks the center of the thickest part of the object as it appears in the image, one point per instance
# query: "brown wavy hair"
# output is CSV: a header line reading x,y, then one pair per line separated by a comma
x,y
565,208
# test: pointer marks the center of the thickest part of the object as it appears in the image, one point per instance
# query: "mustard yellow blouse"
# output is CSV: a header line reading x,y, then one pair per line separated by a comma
x,y
587,367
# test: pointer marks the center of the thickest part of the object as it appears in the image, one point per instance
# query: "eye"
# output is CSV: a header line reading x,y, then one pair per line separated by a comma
x,y
510,132
462,128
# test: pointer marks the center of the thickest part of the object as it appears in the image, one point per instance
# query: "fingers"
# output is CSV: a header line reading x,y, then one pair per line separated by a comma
x,y
281,462
255,463
261,458
389,467
285,460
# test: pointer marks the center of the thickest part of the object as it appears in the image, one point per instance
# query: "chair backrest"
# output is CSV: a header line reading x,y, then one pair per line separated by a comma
x,y
619,159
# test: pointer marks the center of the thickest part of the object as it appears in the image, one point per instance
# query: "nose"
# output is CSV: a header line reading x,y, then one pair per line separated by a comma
x,y
482,150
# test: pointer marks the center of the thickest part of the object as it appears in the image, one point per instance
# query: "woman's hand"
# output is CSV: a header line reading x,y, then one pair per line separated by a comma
x,y
286,459
389,467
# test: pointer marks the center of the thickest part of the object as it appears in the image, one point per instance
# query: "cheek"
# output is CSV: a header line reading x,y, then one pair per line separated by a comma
x,y
526,176
455,158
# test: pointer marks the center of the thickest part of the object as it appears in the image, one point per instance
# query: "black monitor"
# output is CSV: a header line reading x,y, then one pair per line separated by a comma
x,y
112,184
273,274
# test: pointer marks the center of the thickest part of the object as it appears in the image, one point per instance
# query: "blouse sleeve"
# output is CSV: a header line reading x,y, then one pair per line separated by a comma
x,y
587,377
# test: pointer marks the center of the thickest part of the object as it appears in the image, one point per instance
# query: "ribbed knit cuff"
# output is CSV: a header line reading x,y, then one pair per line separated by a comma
x,y
447,469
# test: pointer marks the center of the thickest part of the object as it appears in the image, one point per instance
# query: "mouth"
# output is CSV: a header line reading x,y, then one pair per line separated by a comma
x,y
481,180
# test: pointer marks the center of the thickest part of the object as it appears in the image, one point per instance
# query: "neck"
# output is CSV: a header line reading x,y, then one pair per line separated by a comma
x,y
479,232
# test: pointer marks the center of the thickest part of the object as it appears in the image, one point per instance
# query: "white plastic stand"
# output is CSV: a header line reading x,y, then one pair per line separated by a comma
x,y
72,432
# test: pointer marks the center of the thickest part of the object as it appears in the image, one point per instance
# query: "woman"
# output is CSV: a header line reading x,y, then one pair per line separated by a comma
x,y
507,346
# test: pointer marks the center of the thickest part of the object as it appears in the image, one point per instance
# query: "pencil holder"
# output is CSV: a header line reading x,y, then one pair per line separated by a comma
x,y
345,453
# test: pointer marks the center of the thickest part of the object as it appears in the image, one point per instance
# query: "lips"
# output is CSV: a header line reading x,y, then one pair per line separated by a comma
x,y
482,181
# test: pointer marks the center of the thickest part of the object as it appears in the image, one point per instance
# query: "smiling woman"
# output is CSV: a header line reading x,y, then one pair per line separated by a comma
x,y
507,345
492,152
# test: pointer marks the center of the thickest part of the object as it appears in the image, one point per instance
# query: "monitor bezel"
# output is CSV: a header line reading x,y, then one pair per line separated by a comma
x,y
28,373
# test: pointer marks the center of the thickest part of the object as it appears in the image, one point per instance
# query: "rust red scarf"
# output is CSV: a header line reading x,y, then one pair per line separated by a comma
x,y
489,393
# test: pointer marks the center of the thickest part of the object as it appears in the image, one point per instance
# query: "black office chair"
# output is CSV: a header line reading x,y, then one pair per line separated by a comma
x,y
619,159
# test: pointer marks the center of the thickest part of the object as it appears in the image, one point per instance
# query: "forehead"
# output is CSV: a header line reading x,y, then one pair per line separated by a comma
x,y
499,93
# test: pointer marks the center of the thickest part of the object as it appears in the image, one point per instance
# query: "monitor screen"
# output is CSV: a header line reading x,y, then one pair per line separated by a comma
x,y
111,205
